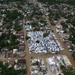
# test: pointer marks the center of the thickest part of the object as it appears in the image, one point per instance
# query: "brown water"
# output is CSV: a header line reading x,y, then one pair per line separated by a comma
x,y
65,51
44,56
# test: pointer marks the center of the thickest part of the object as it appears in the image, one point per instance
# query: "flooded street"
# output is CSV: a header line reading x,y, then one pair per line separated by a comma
x,y
44,56
65,51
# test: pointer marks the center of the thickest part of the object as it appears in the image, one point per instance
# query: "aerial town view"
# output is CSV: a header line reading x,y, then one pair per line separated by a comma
x,y
37,37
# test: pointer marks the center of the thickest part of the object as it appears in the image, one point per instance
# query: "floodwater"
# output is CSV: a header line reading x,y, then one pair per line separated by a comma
x,y
65,51
44,56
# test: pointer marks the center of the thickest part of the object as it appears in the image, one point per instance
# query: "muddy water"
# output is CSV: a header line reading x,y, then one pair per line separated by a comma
x,y
44,56
65,51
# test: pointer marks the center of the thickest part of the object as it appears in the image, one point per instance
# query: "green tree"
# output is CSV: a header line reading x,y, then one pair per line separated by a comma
x,y
27,37
45,34
73,55
37,41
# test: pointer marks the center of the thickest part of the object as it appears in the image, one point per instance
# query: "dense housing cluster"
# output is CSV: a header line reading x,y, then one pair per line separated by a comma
x,y
37,37
43,42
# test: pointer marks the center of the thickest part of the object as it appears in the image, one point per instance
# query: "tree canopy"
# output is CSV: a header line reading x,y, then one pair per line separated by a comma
x,y
4,70
71,2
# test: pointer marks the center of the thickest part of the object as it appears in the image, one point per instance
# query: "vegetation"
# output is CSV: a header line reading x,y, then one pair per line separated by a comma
x,y
45,34
12,15
27,37
18,28
67,70
72,39
7,1
71,2
37,41
73,55
12,41
64,25
72,35
34,24
4,70
69,73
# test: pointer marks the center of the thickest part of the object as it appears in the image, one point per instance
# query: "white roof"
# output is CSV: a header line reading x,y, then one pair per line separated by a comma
x,y
14,50
66,60
51,61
